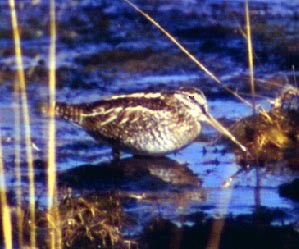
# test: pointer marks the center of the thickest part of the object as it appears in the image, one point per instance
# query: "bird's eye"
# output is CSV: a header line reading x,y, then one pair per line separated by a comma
x,y
191,97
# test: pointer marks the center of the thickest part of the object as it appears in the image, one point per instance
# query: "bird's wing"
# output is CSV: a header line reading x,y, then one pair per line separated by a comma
x,y
125,120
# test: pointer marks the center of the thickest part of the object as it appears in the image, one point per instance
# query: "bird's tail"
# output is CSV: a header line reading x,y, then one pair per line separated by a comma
x,y
69,112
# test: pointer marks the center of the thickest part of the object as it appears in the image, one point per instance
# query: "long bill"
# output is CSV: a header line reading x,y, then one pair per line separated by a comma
x,y
215,124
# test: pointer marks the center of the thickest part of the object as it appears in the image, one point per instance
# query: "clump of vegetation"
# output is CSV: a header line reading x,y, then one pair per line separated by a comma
x,y
90,221
272,135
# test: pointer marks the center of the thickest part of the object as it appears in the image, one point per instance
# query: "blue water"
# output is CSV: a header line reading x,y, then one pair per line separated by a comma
x,y
208,165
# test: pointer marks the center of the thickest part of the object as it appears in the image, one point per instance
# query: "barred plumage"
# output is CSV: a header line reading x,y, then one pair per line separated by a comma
x,y
144,123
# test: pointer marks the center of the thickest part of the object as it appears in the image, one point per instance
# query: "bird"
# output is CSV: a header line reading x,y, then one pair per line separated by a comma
x,y
145,123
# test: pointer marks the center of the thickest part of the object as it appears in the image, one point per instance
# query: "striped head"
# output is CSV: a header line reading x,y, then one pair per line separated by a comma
x,y
194,102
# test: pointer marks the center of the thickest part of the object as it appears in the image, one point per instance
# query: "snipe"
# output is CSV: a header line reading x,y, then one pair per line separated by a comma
x,y
145,123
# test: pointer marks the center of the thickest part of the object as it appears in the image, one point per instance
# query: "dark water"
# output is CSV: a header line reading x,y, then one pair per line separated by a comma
x,y
105,47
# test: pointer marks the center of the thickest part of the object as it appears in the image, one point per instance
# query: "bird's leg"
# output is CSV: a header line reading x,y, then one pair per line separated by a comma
x,y
115,153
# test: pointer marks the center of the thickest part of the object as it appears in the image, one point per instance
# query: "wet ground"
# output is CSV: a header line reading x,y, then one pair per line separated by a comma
x,y
105,48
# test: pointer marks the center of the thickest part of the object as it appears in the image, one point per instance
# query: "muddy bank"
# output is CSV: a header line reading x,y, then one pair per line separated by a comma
x,y
233,232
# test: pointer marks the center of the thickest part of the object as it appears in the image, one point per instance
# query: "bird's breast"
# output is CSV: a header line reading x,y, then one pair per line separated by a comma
x,y
159,134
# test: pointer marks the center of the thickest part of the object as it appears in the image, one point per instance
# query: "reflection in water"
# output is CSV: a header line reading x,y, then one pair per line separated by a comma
x,y
148,187
131,174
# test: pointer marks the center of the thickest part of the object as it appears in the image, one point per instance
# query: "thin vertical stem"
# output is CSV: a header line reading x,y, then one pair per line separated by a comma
x,y
185,51
52,96
250,55
25,109
53,221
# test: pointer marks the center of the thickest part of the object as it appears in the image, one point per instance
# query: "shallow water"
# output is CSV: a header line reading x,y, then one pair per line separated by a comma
x,y
138,57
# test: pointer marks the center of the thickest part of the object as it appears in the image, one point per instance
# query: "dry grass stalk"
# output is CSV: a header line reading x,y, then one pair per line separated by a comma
x,y
26,117
250,55
54,219
185,51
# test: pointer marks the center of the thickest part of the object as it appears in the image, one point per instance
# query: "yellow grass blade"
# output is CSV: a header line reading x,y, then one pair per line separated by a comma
x,y
184,50
52,94
250,55
53,213
25,109
174,40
